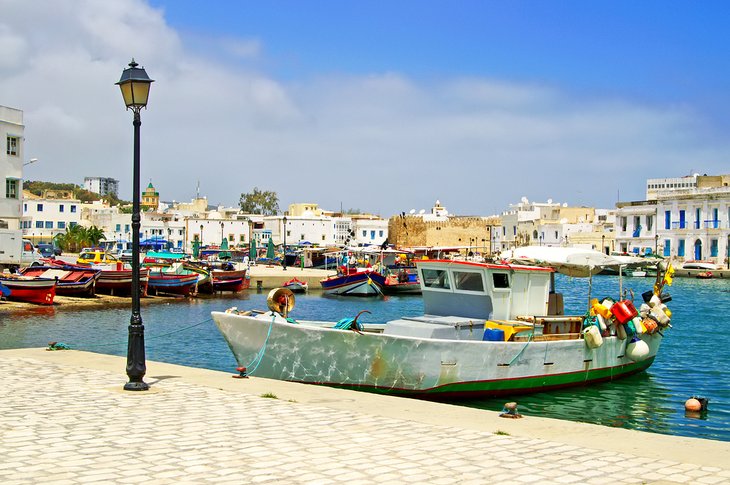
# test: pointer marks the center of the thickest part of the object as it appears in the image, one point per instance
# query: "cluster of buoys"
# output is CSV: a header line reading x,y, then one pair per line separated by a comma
x,y
621,319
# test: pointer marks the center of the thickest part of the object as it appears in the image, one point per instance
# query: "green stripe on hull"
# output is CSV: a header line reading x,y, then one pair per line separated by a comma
x,y
513,386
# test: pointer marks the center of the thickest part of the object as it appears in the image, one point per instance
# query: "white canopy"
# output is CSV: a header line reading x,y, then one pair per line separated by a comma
x,y
570,261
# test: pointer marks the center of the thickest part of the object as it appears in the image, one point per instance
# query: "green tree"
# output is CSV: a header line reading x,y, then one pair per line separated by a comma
x,y
78,237
260,202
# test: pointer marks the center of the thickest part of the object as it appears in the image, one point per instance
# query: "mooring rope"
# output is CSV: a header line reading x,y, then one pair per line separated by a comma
x,y
260,354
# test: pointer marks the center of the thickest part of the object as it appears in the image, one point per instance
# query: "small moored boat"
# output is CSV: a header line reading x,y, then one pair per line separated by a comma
x,y
170,283
295,285
28,289
73,280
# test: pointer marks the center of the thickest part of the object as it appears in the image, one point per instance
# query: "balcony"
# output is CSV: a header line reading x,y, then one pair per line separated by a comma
x,y
713,224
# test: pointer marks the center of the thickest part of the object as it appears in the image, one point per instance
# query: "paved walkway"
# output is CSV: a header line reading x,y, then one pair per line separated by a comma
x,y
68,424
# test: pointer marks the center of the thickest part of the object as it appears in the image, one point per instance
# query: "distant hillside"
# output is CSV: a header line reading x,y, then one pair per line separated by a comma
x,y
37,187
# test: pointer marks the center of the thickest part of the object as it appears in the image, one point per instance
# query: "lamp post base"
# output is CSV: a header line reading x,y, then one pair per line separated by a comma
x,y
136,386
136,367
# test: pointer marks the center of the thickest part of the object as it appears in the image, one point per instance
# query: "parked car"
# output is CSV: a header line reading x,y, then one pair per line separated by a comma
x,y
96,257
46,250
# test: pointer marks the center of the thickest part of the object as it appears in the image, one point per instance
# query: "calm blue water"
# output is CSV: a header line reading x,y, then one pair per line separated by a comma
x,y
693,359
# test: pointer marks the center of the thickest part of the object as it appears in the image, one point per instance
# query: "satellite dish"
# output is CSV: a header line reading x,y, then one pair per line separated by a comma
x,y
565,204
412,211
550,201
524,200
422,211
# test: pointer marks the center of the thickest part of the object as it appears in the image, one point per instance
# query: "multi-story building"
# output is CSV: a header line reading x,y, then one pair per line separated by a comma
x,y
102,185
687,218
51,214
554,224
11,167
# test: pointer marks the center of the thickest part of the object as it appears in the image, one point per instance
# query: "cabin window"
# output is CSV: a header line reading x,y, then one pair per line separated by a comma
x,y
436,278
468,281
500,280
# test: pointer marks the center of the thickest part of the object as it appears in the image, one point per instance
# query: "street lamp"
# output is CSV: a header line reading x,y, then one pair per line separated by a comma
x,y
221,232
656,244
284,258
32,160
135,86
201,235
603,243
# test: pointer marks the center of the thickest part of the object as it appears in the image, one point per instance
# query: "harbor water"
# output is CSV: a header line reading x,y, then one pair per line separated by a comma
x,y
693,359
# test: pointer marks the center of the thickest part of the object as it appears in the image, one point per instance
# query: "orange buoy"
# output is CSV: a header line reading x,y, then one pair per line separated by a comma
x,y
692,404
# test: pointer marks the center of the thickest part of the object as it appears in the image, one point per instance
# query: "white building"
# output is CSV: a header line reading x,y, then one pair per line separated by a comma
x,y
101,185
47,216
11,167
688,218
369,231
554,224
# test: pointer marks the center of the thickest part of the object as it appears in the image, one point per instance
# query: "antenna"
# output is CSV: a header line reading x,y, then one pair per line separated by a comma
x,y
198,191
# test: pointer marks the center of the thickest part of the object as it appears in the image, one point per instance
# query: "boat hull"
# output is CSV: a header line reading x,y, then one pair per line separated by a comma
x,y
233,281
409,288
363,283
72,280
172,283
119,282
425,368
38,291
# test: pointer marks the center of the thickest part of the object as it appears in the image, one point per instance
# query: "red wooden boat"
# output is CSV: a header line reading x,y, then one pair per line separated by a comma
x,y
72,280
119,281
229,280
31,290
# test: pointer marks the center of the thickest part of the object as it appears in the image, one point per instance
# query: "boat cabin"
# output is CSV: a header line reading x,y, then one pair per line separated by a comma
x,y
484,291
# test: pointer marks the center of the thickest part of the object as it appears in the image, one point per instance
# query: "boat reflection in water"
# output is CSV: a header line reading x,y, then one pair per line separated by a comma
x,y
637,402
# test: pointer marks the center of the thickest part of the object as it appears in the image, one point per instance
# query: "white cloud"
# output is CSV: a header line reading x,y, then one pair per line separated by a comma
x,y
383,142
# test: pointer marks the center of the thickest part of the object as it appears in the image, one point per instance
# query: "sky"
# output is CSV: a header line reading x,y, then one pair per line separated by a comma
x,y
380,106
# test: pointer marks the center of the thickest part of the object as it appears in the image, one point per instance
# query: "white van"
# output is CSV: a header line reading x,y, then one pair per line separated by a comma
x,y
16,251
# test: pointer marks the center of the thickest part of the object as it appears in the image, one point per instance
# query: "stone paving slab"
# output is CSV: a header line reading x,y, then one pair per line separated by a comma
x,y
64,424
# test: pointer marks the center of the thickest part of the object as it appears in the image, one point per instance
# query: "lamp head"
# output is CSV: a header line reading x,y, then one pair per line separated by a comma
x,y
135,86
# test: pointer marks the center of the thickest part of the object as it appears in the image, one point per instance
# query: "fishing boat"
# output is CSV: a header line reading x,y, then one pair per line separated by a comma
x,y
295,285
697,264
354,282
488,330
73,280
171,283
116,280
402,281
28,289
233,280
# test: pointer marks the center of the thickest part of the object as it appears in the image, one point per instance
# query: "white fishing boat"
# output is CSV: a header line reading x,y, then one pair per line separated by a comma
x,y
703,265
488,329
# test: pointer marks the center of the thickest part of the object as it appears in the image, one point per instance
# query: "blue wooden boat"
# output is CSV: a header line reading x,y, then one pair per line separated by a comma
x,y
354,283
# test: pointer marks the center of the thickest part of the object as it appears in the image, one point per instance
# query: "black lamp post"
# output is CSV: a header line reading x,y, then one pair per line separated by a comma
x,y
603,243
284,258
221,232
135,86
656,244
201,235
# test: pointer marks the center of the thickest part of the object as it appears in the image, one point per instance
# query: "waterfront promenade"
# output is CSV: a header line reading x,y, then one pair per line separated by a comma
x,y
66,420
